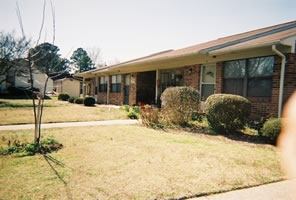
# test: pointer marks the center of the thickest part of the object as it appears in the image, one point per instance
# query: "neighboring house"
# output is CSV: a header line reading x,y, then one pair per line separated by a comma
x,y
65,82
23,82
259,65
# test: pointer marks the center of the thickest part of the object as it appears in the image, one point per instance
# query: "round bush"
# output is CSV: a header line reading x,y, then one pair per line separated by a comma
x,y
272,128
179,104
89,101
227,112
71,99
63,96
78,100
133,115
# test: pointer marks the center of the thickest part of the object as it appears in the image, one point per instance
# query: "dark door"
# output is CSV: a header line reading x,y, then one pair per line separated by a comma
x,y
126,88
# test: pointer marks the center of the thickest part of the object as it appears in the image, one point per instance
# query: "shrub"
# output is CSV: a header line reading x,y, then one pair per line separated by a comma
x,y
136,109
133,115
150,116
63,96
272,128
227,112
71,99
126,108
78,100
89,101
47,145
179,104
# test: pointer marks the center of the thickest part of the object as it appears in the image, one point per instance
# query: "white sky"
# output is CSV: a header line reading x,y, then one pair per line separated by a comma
x,y
128,29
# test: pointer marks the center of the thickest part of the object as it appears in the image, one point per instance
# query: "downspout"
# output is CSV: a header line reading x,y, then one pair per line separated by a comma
x,y
108,90
282,79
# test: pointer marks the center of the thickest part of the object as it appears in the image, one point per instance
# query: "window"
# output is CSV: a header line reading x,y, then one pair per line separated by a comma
x,y
251,77
103,84
116,83
207,80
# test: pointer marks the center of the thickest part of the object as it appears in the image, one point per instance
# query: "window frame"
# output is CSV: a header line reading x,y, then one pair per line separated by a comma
x,y
246,78
116,83
103,84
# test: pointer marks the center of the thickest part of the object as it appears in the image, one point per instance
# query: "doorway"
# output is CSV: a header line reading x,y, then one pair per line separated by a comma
x,y
207,80
126,89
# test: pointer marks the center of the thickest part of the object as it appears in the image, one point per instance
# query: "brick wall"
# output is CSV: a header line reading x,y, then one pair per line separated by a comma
x,y
192,76
219,77
133,89
290,78
116,98
102,97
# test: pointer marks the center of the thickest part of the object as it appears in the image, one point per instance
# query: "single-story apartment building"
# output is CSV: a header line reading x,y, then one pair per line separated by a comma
x,y
259,65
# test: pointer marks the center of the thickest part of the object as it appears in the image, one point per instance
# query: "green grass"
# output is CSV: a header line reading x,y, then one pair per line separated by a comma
x,y
134,162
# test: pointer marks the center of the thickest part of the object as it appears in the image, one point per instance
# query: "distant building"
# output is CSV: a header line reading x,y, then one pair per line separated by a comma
x,y
65,82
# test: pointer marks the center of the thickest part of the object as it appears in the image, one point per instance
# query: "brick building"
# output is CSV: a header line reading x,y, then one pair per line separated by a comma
x,y
259,65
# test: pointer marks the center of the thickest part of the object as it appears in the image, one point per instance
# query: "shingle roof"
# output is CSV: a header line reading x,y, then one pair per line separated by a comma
x,y
260,37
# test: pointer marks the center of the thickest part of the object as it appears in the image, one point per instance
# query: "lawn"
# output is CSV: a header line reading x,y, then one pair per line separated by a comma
x,y
134,162
55,111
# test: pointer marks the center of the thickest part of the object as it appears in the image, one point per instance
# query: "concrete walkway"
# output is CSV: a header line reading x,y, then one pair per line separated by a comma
x,y
275,191
68,124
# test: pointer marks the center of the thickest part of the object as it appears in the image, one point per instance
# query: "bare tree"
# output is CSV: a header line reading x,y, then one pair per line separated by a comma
x,y
12,50
38,97
94,54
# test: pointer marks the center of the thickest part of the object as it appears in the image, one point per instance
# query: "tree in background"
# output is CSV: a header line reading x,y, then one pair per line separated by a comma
x,y
47,60
81,60
94,54
12,54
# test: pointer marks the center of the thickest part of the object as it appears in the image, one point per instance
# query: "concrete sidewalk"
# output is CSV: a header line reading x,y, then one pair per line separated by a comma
x,y
274,191
68,124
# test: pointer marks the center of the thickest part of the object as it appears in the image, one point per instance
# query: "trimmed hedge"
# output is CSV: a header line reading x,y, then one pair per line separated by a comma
x,y
89,101
71,99
64,96
78,100
227,112
272,128
179,104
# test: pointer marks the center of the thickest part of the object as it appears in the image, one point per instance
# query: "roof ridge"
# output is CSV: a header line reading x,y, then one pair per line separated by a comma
x,y
274,29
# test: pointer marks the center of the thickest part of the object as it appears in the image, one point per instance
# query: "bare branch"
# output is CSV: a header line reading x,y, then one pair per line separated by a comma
x,y
42,23
18,13
53,21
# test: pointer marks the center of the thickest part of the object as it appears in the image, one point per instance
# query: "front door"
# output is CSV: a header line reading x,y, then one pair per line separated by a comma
x,y
208,80
126,88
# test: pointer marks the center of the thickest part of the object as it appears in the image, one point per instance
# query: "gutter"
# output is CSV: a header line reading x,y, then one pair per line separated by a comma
x,y
282,78
228,50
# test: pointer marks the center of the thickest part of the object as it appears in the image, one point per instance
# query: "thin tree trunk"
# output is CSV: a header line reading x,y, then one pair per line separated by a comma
x,y
33,99
40,108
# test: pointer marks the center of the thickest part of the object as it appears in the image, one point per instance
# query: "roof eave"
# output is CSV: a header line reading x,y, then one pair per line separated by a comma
x,y
241,48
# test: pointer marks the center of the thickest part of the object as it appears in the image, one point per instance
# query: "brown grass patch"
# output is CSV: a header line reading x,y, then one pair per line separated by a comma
x,y
57,111
133,162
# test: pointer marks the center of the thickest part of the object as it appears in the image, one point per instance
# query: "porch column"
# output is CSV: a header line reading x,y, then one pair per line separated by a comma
x,y
83,88
157,84
108,89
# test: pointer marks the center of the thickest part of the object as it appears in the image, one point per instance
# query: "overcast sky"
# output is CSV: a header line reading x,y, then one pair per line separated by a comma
x,y
128,29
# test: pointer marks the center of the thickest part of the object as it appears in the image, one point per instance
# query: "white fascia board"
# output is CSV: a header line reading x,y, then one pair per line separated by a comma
x,y
235,49
290,41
